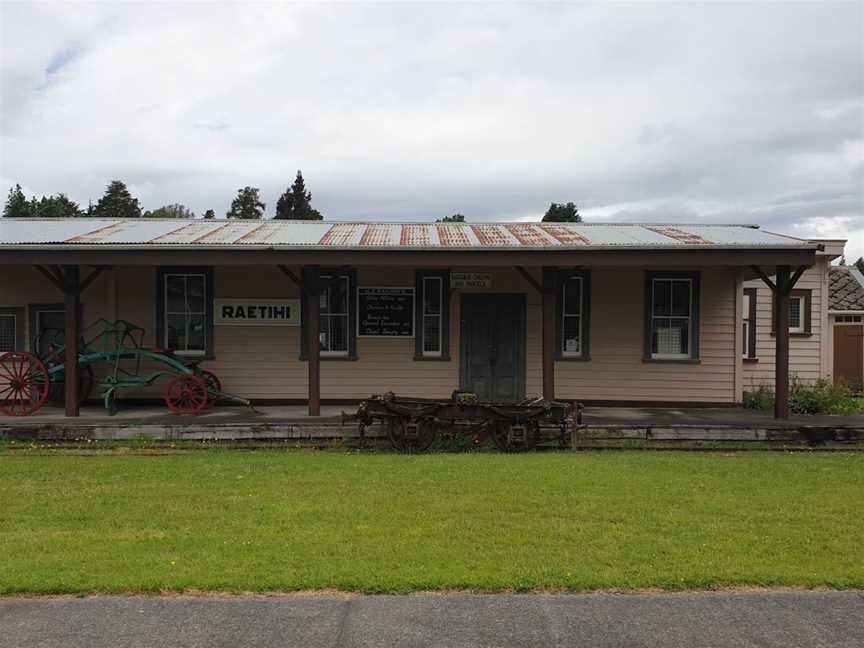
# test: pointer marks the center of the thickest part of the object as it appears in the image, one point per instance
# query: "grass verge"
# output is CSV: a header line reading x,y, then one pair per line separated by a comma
x,y
226,520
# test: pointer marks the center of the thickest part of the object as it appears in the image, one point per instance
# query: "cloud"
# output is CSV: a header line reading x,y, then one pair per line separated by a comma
x,y
709,112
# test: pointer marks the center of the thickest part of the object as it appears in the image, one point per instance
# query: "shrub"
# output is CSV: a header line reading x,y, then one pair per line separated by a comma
x,y
820,397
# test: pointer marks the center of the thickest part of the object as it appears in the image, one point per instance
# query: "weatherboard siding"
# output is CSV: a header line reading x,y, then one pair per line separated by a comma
x,y
261,362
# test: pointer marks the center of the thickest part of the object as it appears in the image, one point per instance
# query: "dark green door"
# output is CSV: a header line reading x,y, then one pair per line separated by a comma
x,y
492,346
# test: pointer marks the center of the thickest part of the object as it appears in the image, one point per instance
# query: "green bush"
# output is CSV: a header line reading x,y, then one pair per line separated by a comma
x,y
820,397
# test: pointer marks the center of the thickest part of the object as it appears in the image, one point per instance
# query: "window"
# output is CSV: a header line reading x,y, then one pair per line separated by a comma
x,y
334,320
848,319
185,310
337,315
800,301
796,310
572,315
748,318
672,317
11,329
432,314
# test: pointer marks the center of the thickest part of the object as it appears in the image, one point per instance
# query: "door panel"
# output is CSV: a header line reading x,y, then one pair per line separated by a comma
x,y
849,355
492,346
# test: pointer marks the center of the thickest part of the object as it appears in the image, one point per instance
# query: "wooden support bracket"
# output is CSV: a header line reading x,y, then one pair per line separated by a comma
x,y
531,280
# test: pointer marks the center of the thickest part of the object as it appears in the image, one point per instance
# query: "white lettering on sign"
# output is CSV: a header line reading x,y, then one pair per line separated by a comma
x,y
470,279
256,312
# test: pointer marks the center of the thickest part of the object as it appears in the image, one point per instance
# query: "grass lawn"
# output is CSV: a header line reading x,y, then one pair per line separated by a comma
x,y
275,520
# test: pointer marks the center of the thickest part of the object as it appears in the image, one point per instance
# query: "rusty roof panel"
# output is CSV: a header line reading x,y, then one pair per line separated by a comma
x,y
189,233
381,235
680,235
564,234
230,233
343,234
260,234
451,235
418,235
98,235
530,235
494,236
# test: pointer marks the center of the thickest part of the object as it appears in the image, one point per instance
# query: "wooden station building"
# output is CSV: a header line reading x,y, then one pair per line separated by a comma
x,y
311,312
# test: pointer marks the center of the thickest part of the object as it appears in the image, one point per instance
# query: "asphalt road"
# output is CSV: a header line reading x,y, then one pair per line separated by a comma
x,y
699,620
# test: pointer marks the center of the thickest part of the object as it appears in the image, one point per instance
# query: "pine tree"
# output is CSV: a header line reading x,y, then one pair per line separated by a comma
x,y
568,213
58,206
455,218
209,214
170,211
247,204
296,202
16,204
117,203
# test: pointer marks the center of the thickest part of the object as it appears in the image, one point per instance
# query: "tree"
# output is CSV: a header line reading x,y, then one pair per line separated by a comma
x,y
568,213
455,218
860,264
16,204
170,211
58,206
296,202
209,214
117,203
247,204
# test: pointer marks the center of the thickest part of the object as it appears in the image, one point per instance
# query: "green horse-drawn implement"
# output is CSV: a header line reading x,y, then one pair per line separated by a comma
x,y
29,380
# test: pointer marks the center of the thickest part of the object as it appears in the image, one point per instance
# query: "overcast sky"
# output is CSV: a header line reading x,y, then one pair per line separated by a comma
x,y
672,112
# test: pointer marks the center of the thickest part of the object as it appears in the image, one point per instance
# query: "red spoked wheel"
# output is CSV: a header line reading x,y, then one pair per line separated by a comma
x,y
186,394
23,383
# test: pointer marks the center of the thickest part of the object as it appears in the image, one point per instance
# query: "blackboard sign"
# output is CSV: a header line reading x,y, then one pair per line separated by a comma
x,y
385,312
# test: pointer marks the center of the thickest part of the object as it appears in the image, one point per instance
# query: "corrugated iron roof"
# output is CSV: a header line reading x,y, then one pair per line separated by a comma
x,y
129,233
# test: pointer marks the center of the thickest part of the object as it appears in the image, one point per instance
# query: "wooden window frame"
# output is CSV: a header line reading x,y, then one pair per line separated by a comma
x,y
19,313
419,277
585,316
351,354
161,273
751,295
695,313
806,296
32,315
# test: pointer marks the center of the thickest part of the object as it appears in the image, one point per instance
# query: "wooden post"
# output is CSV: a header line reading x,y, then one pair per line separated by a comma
x,y
72,292
781,340
549,298
312,285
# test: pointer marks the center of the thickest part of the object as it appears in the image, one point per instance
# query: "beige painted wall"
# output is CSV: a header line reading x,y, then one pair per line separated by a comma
x,y
810,357
262,362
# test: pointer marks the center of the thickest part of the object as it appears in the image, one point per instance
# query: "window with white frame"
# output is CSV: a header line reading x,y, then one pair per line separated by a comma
x,y
334,315
571,317
796,314
8,332
671,318
185,313
432,328
848,319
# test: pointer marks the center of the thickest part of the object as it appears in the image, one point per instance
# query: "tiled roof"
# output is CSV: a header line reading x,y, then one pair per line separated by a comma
x,y
269,234
846,289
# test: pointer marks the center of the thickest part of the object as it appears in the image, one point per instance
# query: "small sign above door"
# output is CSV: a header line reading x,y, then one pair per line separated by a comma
x,y
470,279
256,312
